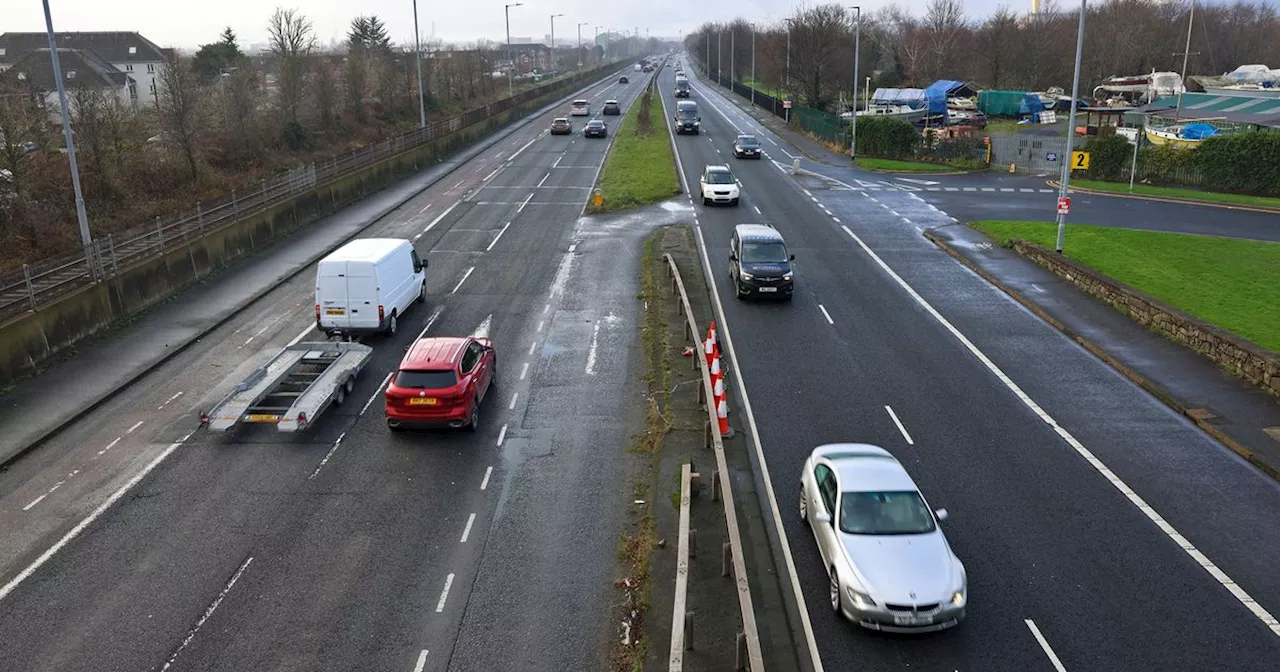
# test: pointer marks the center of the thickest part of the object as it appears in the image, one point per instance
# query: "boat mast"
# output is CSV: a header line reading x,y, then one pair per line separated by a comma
x,y
1186,54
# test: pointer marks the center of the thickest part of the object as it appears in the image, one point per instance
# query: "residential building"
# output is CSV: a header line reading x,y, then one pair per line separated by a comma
x,y
135,57
80,69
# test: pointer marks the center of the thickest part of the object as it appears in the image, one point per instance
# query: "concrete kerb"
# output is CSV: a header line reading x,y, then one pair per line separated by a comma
x,y
179,348
1166,199
1156,390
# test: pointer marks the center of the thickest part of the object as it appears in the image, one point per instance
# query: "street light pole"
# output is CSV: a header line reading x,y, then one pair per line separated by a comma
x,y
511,73
1071,129
86,238
580,25
553,42
753,65
857,49
733,64
417,48
719,81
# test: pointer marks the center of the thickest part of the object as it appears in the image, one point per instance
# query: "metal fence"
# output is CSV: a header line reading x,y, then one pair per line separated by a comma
x,y
1029,153
42,282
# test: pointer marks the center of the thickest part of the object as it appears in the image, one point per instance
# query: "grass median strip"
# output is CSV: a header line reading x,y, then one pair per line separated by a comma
x,y
1189,194
640,168
1231,283
905,166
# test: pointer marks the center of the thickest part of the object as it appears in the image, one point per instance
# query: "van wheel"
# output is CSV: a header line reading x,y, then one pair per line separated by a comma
x,y
391,324
422,293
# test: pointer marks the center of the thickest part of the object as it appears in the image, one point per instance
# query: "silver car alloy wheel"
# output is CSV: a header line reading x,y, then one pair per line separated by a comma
x,y
804,505
835,591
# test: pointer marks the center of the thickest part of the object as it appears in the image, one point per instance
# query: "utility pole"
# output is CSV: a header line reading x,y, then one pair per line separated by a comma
x,y
857,49
417,48
718,79
553,42
86,238
580,25
753,65
511,74
1071,129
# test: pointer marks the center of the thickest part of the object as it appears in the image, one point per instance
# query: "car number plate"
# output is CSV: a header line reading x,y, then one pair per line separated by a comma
x,y
899,619
335,311
768,289
422,401
262,417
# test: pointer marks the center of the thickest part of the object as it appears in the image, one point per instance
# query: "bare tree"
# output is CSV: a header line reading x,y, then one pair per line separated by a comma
x,y
181,111
88,117
22,121
817,36
324,82
943,29
292,42
239,91
995,42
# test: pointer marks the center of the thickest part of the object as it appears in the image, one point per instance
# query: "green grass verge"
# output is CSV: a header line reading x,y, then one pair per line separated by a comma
x,y
892,164
1234,284
640,169
1191,194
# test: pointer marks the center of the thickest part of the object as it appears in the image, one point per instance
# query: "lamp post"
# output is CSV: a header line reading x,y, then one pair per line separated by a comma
x,y
733,72
553,42
86,238
417,48
595,43
580,25
857,48
1071,129
753,65
718,79
511,73
788,76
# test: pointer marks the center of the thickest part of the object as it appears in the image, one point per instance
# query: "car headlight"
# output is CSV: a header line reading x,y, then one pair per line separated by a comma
x,y
786,276
746,276
958,598
859,600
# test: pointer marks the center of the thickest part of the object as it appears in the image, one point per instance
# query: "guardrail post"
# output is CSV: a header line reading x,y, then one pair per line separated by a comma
x,y
726,560
160,234
31,290
200,217
715,486
263,183
693,543
235,204
111,245
740,662
688,631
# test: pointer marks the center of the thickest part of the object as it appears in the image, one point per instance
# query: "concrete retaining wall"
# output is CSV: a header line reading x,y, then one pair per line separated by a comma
x,y
29,341
1249,361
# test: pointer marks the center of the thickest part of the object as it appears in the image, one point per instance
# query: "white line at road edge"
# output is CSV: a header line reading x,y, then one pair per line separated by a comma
x,y
502,435
514,396
723,326
432,320
80,527
484,484
444,595
422,661
504,230
591,352
1146,509
376,393
208,612
466,531
327,455
464,279
898,422
1044,644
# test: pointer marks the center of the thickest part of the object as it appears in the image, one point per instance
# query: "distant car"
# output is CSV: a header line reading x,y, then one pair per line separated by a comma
x,y
718,185
595,129
561,126
623,80
612,107
888,563
747,147
441,382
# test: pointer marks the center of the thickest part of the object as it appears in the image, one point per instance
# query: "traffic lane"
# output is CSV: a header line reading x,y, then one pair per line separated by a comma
x,y
1155,450
809,275
563,471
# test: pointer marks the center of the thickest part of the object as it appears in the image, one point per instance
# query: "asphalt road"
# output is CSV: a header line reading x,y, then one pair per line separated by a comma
x,y
347,547
1079,504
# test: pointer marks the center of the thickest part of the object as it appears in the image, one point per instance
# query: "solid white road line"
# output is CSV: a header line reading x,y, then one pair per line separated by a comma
x,y
327,455
299,337
377,393
465,275
466,531
444,595
826,314
422,661
526,146
442,215
502,435
524,370
526,202
591,352
504,230
557,162
191,634
898,422
432,320
490,175
80,527
1044,644
723,325
487,473
543,180
35,501
1182,542
514,396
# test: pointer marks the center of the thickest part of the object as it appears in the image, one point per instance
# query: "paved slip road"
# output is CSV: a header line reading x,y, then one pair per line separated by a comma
x,y
347,547
1050,529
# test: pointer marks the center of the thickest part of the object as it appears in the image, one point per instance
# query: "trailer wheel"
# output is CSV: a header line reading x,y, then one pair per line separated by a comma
x,y
340,396
350,385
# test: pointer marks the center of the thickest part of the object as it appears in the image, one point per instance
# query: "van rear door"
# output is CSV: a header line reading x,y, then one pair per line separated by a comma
x,y
347,295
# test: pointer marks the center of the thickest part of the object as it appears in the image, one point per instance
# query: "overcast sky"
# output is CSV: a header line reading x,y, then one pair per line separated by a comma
x,y
187,24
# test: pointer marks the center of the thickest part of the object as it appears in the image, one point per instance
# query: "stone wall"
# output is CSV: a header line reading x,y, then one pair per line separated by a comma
x,y
1245,359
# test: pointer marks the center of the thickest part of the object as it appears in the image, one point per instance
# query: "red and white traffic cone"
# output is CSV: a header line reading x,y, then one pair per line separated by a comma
x,y
715,372
711,350
722,412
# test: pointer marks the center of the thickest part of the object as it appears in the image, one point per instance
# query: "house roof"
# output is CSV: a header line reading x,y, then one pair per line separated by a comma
x,y
1239,109
112,47
36,69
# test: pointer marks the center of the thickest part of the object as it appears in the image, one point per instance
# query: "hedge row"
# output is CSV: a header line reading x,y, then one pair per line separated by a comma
x,y
1240,163
889,138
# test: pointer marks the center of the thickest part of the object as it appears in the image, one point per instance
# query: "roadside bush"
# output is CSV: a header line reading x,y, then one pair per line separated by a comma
x,y
887,138
1247,163
1109,156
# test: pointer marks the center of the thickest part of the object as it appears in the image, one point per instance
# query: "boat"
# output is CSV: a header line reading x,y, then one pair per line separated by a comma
x,y
904,112
1254,80
1140,88
1181,136
962,104
1247,90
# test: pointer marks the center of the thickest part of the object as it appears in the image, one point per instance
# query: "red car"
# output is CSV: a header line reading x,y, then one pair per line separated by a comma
x,y
440,383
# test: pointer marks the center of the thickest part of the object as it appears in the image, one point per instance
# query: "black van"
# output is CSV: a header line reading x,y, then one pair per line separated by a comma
x,y
759,264
687,118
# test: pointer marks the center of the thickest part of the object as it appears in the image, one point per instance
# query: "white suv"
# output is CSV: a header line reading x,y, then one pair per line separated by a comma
x,y
718,185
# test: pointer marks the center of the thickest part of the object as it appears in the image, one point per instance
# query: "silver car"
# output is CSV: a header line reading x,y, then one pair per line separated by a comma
x,y
889,565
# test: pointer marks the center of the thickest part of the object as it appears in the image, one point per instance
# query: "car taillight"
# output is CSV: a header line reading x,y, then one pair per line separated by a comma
x,y
317,312
381,315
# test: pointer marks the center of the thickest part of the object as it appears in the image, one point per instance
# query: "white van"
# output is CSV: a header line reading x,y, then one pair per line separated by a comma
x,y
365,286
